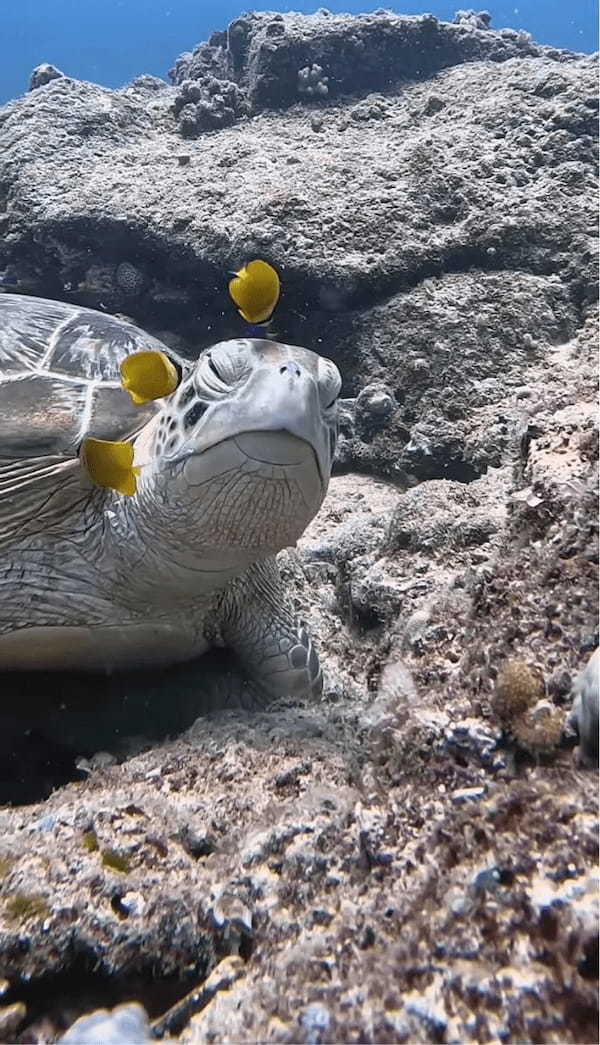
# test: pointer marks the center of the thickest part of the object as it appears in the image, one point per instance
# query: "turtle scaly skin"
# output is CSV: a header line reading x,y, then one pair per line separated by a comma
x,y
234,465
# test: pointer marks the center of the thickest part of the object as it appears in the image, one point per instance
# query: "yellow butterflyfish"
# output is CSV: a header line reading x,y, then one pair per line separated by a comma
x,y
148,375
110,464
255,290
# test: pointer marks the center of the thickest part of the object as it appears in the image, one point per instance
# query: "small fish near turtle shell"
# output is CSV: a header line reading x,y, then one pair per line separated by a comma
x,y
110,464
148,375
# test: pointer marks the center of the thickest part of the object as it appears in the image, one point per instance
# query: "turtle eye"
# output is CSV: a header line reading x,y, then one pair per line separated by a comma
x,y
212,378
213,366
330,383
223,366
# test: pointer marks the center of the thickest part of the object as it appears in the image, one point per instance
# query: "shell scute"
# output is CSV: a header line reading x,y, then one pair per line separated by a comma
x,y
40,415
113,415
26,326
93,349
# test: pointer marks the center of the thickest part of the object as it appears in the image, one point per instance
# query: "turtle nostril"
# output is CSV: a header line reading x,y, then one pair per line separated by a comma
x,y
292,368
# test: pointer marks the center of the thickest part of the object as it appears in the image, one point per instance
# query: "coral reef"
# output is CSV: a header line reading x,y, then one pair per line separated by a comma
x,y
412,859
437,272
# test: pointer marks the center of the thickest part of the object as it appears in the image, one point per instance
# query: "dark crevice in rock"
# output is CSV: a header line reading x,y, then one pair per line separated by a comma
x,y
530,258
82,261
51,727
58,1000
588,965
456,469
32,764
179,289
460,472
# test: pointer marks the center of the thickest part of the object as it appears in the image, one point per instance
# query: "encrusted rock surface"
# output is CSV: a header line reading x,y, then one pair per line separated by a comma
x,y
408,860
436,236
43,74
275,58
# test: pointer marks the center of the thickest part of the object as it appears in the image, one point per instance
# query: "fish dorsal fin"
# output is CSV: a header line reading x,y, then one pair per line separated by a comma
x,y
38,494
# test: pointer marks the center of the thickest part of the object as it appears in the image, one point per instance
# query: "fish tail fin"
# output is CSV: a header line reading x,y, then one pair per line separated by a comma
x,y
126,484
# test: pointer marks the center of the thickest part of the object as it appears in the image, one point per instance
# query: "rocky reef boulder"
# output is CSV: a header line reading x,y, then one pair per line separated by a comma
x,y
281,59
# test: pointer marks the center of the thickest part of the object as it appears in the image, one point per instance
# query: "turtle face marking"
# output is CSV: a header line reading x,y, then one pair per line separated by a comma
x,y
253,425
193,415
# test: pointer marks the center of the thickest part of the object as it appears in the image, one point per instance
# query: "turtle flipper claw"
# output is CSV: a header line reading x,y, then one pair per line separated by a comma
x,y
275,649
303,658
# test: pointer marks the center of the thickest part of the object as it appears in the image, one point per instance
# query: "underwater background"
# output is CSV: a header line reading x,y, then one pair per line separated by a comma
x,y
113,41
413,856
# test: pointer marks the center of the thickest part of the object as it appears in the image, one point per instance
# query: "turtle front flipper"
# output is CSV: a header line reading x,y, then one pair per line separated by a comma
x,y
273,647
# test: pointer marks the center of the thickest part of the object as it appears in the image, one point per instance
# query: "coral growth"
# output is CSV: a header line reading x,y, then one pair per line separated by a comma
x,y
540,728
311,81
374,406
276,59
115,861
536,724
43,74
473,19
517,689
208,103
23,906
129,279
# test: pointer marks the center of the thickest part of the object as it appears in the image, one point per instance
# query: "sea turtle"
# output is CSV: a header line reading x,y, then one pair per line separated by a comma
x,y
234,465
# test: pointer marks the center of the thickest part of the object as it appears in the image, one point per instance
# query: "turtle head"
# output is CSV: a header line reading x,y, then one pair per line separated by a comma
x,y
241,453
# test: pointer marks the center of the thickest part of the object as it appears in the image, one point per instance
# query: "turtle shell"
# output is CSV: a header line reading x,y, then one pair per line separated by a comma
x,y
59,383
59,377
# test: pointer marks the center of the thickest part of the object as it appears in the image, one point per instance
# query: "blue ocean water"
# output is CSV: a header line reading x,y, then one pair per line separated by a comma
x,y
112,41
